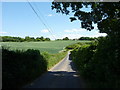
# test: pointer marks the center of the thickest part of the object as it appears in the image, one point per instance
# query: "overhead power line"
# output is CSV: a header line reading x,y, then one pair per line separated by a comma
x,y
40,19
43,17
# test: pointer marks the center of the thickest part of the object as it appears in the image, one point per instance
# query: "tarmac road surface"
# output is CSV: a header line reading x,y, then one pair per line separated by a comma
x,y
62,75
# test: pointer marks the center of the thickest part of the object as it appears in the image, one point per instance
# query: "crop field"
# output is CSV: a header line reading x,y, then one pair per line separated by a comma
x,y
46,46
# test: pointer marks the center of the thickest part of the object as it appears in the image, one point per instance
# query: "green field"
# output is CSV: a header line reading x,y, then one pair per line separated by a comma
x,y
47,46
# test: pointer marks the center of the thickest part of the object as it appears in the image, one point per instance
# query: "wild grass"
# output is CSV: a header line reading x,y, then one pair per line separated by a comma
x,y
53,59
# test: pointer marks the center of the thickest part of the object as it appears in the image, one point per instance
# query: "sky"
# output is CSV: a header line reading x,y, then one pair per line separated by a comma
x,y
19,20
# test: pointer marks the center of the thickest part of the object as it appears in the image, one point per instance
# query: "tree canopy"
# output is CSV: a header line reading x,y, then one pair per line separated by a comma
x,y
105,14
102,58
66,38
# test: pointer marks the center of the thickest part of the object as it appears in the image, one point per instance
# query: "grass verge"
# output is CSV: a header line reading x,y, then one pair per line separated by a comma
x,y
53,59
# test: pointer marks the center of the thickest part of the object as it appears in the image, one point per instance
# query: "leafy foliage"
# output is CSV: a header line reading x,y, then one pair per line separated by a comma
x,y
101,14
20,67
66,38
101,63
99,68
87,38
73,46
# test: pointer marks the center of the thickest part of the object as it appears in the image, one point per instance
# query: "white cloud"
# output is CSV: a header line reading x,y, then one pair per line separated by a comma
x,y
72,36
50,15
75,30
3,32
77,33
44,31
97,34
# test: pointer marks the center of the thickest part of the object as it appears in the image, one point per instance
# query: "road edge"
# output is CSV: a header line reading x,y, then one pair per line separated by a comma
x,y
58,62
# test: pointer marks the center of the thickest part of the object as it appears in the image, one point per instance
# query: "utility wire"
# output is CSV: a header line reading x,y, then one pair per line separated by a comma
x,y
43,17
40,18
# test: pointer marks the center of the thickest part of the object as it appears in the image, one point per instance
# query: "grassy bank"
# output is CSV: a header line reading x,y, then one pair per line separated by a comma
x,y
53,59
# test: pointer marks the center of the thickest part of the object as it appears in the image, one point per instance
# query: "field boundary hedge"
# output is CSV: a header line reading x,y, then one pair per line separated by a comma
x,y
23,67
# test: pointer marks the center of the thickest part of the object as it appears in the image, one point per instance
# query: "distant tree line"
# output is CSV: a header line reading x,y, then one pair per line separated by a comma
x,y
19,39
29,39
81,38
87,38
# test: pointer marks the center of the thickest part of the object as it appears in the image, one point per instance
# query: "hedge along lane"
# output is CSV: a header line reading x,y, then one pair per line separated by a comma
x,y
21,67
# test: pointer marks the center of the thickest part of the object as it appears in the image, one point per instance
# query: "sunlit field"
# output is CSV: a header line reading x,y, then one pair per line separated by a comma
x,y
47,46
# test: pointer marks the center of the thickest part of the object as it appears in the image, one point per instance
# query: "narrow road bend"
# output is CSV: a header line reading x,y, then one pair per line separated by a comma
x,y
62,75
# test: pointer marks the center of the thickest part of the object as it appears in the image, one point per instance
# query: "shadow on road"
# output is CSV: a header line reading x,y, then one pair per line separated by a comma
x,y
72,63
58,79
70,58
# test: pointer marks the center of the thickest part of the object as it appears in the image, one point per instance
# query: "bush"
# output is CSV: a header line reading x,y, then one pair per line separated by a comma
x,y
73,46
106,63
99,63
21,67
83,56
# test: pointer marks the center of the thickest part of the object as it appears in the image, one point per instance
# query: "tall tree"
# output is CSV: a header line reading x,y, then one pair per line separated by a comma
x,y
27,38
105,14
101,14
47,39
38,39
66,38
42,38
106,60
